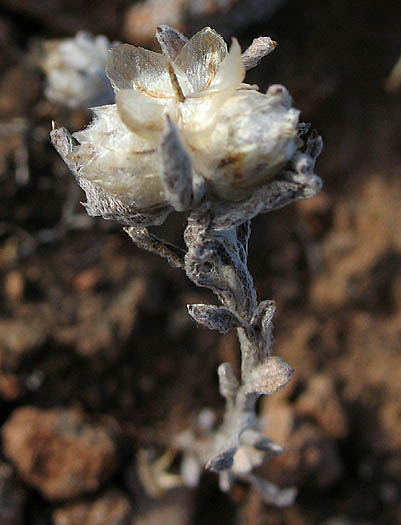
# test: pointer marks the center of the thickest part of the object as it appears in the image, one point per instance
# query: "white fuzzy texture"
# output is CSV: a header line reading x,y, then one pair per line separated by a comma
x,y
237,138
119,161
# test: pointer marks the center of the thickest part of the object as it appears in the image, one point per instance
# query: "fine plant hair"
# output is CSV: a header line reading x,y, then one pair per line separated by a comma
x,y
242,156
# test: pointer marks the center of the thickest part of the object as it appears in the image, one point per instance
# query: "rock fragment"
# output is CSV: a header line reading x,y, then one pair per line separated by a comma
x,y
58,452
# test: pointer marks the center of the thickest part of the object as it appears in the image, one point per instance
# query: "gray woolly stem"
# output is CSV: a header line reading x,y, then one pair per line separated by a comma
x,y
217,260
251,353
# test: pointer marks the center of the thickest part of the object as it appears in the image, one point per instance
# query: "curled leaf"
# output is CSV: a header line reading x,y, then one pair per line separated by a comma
x,y
222,461
274,195
214,317
259,48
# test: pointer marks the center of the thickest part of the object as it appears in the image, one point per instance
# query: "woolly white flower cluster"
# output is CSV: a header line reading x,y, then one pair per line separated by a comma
x,y
184,125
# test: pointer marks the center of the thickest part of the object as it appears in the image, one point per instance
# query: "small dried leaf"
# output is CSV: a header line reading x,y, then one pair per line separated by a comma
x,y
269,377
222,461
272,196
259,48
214,317
268,445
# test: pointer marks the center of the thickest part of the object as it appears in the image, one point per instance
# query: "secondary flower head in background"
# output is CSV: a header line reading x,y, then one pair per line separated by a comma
x,y
74,69
184,126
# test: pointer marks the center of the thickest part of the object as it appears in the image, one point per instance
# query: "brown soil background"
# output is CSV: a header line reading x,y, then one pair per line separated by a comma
x,y
98,357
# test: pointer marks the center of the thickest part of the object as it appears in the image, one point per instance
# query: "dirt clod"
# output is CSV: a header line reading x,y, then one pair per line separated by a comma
x,y
58,452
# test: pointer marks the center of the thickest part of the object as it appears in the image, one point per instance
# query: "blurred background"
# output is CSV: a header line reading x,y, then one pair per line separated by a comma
x,y
100,364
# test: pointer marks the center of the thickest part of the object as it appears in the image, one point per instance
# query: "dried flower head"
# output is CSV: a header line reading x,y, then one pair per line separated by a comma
x,y
184,125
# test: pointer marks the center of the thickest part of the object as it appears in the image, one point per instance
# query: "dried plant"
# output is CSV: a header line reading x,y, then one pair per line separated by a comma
x,y
187,134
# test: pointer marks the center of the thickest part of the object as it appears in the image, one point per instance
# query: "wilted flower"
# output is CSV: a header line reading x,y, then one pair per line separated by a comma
x,y
184,124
